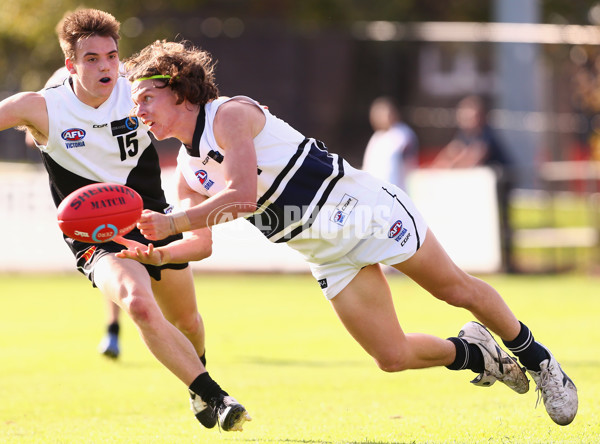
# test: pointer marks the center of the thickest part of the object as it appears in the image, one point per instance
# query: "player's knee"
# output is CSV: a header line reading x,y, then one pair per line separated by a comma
x,y
392,363
189,325
139,308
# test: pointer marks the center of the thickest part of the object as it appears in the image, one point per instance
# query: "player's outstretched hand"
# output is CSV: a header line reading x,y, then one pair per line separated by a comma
x,y
155,226
140,252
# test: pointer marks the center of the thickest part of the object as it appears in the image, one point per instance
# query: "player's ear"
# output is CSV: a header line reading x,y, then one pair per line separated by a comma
x,y
70,66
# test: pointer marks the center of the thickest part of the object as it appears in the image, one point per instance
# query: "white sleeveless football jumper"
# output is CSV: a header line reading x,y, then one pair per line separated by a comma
x,y
339,218
88,145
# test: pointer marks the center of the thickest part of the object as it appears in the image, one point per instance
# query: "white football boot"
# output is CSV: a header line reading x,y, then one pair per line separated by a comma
x,y
223,409
232,414
498,365
557,390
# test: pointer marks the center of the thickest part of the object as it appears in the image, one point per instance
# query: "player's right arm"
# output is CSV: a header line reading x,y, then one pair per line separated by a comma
x,y
26,110
195,245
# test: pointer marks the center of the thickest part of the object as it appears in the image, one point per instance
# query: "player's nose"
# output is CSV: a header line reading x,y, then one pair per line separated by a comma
x,y
139,111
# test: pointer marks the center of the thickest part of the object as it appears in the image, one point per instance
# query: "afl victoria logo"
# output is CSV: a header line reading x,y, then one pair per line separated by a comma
x,y
395,229
73,134
202,176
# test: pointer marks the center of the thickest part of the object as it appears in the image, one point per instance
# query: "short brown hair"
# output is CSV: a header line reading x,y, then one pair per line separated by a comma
x,y
82,24
190,70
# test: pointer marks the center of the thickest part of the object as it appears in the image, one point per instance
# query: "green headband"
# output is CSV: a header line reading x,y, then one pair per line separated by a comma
x,y
157,76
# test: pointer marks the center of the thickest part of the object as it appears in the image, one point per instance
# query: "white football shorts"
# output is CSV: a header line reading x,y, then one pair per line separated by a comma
x,y
383,227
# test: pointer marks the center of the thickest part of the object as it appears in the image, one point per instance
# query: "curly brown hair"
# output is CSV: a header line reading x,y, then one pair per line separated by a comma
x,y
190,70
82,24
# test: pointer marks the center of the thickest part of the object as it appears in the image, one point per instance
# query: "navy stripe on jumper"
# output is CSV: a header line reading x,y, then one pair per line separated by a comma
x,y
300,191
194,150
296,231
282,174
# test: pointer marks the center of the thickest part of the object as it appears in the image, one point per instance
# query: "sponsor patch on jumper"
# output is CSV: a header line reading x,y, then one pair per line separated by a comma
x,y
343,209
203,179
124,126
214,155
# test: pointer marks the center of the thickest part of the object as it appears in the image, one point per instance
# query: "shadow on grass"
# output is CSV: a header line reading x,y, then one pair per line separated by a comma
x,y
260,360
313,441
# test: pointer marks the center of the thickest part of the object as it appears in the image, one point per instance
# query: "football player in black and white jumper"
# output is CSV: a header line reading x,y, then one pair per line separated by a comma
x,y
85,135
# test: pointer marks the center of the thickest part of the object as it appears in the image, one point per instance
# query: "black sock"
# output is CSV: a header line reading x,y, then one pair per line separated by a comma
x,y
467,356
529,352
203,359
204,386
113,328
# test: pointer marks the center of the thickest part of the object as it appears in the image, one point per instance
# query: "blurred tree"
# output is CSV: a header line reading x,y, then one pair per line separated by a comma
x,y
29,51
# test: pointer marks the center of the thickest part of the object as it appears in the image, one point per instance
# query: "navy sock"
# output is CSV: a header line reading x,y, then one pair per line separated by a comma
x,y
467,356
113,328
204,386
529,352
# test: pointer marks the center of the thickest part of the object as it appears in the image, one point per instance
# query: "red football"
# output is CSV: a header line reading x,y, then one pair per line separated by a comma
x,y
98,212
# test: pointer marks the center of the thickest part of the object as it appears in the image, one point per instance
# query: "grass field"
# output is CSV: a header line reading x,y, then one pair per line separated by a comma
x,y
275,344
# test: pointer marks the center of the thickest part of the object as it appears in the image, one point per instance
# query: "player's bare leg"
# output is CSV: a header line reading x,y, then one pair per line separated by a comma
x,y
176,298
129,285
432,269
366,309
175,294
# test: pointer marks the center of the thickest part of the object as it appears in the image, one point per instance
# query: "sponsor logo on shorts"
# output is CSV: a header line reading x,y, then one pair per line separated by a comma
x,y
405,240
73,137
203,179
339,217
343,209
322,283
397,232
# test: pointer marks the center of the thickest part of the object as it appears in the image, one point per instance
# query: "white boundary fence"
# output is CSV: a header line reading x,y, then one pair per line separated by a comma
x,y
32,240
460,207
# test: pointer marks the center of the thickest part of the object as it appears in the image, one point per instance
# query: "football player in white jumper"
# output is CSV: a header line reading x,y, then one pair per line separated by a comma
x,y
85,135
238,159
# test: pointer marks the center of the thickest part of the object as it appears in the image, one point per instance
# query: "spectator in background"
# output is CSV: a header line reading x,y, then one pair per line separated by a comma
x,y
392,151
476,144
96,101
